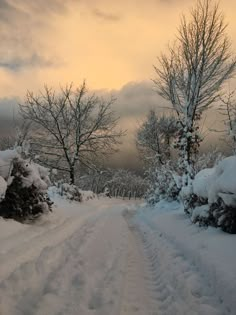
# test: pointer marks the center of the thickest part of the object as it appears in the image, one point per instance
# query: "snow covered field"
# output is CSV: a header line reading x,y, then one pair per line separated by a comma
x,y
110,256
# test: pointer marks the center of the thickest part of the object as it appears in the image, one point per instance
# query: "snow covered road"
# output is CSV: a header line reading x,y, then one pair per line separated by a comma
x,y
99,259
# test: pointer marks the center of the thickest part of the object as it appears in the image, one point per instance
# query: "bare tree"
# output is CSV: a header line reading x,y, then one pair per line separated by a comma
x,y
155,135
228,110
192,74
74,126
19,136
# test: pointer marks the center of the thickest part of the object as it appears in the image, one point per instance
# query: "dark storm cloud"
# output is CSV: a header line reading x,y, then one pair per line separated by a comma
x,y
110,17
34,60
135,99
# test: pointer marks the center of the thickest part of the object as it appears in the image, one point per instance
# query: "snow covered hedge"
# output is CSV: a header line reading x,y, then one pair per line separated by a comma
x,y
71,192
215,191
23,187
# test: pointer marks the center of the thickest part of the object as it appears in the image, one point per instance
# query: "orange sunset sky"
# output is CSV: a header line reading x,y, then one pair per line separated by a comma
x,y
112,44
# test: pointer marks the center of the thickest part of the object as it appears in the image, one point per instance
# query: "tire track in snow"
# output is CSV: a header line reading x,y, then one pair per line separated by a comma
x,y
175,284
137,296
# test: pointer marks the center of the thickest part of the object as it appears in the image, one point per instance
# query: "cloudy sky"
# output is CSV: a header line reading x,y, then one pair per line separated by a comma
x,y
113,44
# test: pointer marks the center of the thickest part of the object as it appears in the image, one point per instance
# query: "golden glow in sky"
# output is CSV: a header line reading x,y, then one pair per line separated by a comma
x,y
110,43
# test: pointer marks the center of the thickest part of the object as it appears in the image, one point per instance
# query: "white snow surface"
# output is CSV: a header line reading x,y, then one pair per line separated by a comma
x,y
223,180
113,257
38,175
219,181
3,187
202,182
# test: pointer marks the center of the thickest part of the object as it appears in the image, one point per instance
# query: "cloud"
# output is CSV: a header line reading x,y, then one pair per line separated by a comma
x,y
28,7
34,60
135,99
20,25
110,17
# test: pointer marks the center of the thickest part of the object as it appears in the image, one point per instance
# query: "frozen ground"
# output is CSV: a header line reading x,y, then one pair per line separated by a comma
x,y
107,257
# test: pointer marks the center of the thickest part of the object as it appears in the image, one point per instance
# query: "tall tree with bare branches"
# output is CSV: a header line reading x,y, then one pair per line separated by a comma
x,y
227,108
191,75
154,137
74,126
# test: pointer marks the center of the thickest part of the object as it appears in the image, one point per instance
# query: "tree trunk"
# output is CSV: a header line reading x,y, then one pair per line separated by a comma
x,y
72,176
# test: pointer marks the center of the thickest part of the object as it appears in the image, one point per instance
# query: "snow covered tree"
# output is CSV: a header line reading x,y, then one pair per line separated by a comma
x,y
25,193
73,127
164,183
155,135
208,160
124,183
191,75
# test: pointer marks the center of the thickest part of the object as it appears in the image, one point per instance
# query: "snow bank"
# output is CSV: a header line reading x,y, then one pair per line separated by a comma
x,y
220,181
223,182
202,181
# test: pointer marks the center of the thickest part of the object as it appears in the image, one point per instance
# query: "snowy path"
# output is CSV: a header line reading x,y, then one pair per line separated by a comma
x,y
100,261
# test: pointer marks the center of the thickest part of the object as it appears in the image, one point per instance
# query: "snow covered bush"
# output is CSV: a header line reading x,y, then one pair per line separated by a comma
x,y
222,195
87,195
216,187
70,192
164,184
26,194
223,216
201,215
197,195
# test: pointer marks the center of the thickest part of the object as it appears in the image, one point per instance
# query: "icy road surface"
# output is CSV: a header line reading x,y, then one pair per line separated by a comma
x,y
96,258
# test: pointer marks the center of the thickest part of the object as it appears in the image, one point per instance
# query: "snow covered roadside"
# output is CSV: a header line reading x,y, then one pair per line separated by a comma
x,y
183,250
